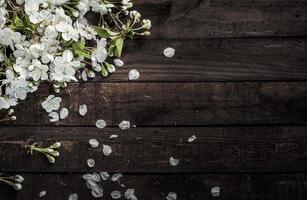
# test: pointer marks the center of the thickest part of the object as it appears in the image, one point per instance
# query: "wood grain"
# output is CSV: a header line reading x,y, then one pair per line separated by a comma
x,y
217,149
215,60
175,104
213,19
156,186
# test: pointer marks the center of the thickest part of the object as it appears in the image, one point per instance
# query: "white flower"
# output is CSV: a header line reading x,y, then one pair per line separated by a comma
x,y
64,67
116,194
73,196
54,117
16,87
39,71
68,32
134,75
36,50
101,53
51,32
52,103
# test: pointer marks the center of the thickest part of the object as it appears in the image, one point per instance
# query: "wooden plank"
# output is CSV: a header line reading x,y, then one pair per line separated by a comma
x,y
215,60
156,187
175,104
219,18
217,149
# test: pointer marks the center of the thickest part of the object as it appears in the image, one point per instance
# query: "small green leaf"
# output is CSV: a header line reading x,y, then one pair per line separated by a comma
x,y
105,33
119,44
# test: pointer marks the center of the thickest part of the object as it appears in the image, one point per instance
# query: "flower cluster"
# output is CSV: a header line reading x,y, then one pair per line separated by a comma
x,y
52,41
50,152
14,181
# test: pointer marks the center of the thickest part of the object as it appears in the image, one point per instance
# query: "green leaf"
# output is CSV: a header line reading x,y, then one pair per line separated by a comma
x,y
105,33
16,22
119,44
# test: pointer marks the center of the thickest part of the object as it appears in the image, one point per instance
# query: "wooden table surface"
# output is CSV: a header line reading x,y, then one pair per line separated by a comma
x,y
238,82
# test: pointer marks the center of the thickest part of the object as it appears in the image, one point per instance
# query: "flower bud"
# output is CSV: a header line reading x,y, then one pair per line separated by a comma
x,y
146,24
55,153
50,158
13,118
55,145
17,186
11,112
135,15
18,179
75,13
146,33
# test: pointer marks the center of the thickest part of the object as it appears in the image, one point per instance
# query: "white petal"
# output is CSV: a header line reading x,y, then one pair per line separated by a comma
x,y
64,113
104,175
54,117
83,110
116,194
101,124
90,163
73,196
171,196
192,138
124,125
134,75
42,194
93,143
118,63
97,192
116,177
173,161
67,55
107,150
215,191
169,52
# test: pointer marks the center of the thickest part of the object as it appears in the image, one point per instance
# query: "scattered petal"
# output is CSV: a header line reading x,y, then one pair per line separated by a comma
x,y
116,177
93,143
83,110
134,75
116,194
53,117
113,136
124,125
90,163
87,177
171,196
169,52
42,194
129,194
192,138
90,184
173,161
215,191
101,124
118,62
73,196
96,177
64,113
97,192
107,150
104,175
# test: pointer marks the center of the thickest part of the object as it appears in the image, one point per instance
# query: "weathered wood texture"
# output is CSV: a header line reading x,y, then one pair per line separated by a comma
x,y
215,60
176,104
211,19
156,187
217,149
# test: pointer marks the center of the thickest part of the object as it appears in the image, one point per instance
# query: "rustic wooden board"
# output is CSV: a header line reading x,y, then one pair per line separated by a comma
x,y
247,59
176,104
217,149
212,19
156,186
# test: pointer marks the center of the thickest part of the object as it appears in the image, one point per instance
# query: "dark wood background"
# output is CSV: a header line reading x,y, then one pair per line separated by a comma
x,y
238,82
